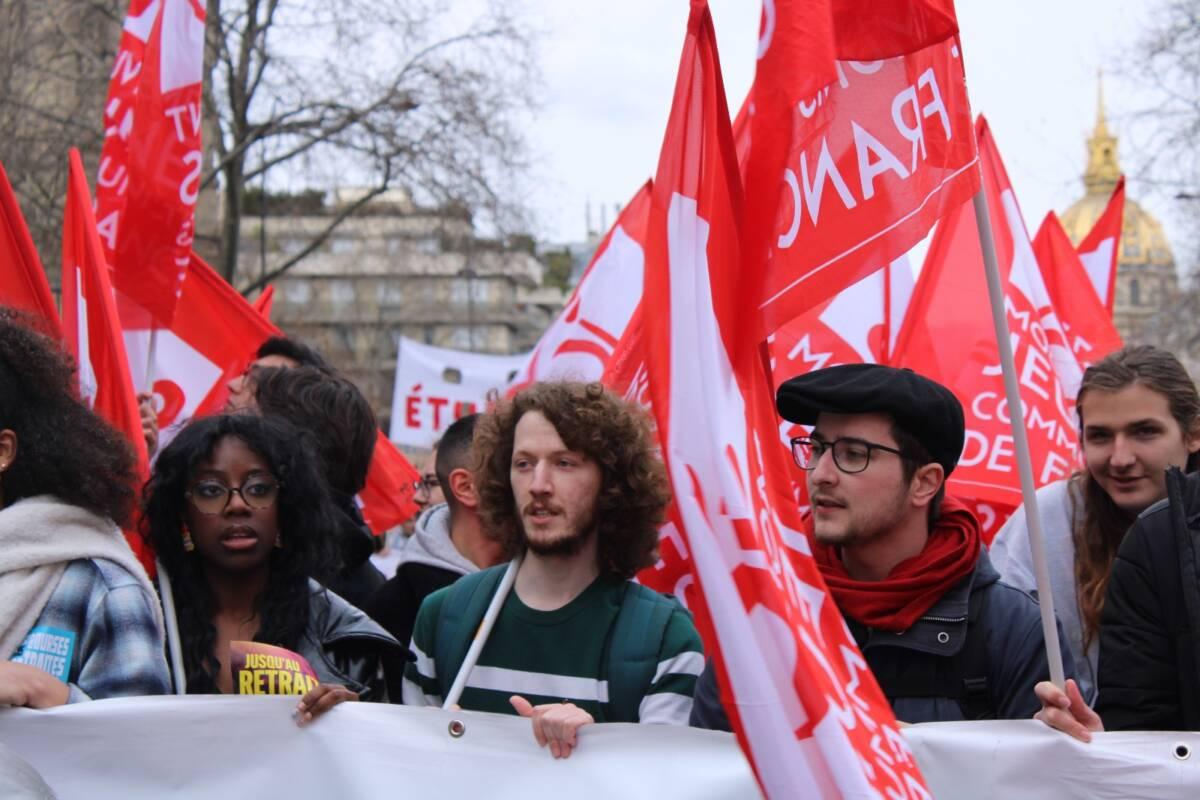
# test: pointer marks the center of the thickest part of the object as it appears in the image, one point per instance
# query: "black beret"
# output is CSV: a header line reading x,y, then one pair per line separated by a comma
x,y
923,408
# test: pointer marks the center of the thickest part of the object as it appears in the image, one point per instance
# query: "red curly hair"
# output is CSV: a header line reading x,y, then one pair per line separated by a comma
x,y
615,434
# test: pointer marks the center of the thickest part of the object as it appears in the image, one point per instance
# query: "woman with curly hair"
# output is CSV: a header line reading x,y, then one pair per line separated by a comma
x,y
79,619
239,516
568,478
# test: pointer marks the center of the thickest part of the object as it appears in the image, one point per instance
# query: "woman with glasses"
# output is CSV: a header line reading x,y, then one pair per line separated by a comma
x,y
78,616
239,517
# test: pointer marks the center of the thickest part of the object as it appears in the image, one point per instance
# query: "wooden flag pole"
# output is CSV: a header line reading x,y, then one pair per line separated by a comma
x,y
1016,413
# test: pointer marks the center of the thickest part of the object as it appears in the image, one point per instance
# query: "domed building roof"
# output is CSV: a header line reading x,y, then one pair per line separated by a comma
x,y
1142,237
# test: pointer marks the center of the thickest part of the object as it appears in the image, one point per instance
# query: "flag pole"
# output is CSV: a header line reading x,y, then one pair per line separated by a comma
x,y
1016,414
150,351
481,635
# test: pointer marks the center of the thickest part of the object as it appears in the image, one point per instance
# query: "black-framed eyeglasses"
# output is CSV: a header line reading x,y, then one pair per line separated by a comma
x,y
212,497
426,485
850,455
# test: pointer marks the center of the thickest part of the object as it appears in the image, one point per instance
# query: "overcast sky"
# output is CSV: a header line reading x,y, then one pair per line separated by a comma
x,y
1031,69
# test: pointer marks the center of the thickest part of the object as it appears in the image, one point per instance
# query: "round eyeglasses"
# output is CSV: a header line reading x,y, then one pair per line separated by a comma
x,y
849,455
212,497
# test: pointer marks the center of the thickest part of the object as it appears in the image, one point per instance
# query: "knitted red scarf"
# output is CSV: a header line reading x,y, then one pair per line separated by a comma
x,y
899,600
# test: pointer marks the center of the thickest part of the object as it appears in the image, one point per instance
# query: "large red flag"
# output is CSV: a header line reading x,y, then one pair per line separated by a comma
x,y
850,172
580,342
1085,320
806,707
210,341
1101,248
949,336
23,282
150,166
93,331
265,302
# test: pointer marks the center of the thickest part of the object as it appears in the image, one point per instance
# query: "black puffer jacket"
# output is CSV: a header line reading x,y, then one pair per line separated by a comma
x,y
1150,628
345,646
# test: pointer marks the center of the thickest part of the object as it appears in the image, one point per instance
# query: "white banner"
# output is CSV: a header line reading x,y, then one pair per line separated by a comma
x,y
244,747
435,386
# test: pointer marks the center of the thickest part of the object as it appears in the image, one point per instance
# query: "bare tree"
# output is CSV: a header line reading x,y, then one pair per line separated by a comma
x,y
54,63
316,94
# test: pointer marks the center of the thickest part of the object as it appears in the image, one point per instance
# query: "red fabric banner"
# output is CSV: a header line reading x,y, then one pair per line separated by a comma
x,y
1100,250
210,341
850,176
806,708
265,302
949,336
93,330
23,282
151,162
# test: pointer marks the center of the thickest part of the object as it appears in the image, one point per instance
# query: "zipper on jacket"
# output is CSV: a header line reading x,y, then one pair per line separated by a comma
x,y
944,620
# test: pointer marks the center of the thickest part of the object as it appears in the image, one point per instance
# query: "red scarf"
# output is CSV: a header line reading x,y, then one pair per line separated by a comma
x,y
914,585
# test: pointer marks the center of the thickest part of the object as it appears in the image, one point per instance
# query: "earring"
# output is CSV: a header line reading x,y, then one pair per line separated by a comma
x,y
279,541
188,544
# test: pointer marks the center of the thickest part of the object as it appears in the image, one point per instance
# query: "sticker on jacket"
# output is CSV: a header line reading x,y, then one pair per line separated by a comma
x,y
265,669
48,649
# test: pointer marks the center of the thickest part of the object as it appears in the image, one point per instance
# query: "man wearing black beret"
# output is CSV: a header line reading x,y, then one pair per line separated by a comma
x,y
946,639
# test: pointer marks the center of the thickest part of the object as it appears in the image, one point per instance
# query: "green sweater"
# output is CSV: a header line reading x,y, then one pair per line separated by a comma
x,y
551,656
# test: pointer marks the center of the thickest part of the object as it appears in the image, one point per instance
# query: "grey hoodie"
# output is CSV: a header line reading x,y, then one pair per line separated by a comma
x,y
430,543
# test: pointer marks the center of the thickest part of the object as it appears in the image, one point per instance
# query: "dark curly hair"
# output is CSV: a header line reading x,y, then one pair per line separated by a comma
x,y
63,448
332,409
305,523
634,492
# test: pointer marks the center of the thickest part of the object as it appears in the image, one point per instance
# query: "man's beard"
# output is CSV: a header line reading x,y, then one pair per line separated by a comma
x,y
564,546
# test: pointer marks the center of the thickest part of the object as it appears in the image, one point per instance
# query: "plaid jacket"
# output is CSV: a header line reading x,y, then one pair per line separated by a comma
x,y
98,634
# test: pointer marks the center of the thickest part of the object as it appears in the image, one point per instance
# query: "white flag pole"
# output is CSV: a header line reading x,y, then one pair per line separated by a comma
x,y
153,348
1016,413
481,635
174,647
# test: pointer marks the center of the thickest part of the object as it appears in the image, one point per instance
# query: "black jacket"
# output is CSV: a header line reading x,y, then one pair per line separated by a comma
x,y
358,578
1001,655
344,646
1149,675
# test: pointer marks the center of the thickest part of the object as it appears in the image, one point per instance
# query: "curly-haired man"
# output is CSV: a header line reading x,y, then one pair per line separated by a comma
x,y
567,477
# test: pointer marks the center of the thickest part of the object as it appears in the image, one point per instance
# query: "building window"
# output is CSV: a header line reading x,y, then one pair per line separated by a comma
x,y
1135,293
341,292
297,292
390,293
341,245
291,245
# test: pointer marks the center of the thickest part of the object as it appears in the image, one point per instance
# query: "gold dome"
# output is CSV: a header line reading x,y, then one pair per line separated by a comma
x,y
1142,239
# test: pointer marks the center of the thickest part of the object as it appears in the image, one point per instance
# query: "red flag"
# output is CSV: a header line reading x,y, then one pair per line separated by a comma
x,y
1100,249
265,301
151,161
23,282
804,703
210,341
93,331
850,173
949,336
580,342
1086,322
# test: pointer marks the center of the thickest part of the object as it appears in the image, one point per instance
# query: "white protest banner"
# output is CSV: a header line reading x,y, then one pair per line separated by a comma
x,y
435,386
207,746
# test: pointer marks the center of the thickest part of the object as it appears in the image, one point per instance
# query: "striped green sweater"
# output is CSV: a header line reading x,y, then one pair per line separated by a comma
x,y
550,656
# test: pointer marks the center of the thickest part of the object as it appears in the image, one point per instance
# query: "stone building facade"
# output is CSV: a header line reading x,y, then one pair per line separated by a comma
x,y
396,270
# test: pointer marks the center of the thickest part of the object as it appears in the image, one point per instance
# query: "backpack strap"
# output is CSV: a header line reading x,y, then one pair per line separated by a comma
x,y
462,610
972,663
633,647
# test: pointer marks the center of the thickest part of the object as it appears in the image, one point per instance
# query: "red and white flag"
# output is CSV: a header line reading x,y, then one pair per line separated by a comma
x,y
851,165
1101,248
149,177
949,336
92,329
579,344
210,341
1086,321
806,707
23,283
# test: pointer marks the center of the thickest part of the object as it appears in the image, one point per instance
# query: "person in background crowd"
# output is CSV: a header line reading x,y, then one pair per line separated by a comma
x,y
1139,414
449,542
428,491
279,352
567,476
341,423
944,637
234,510
79,619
